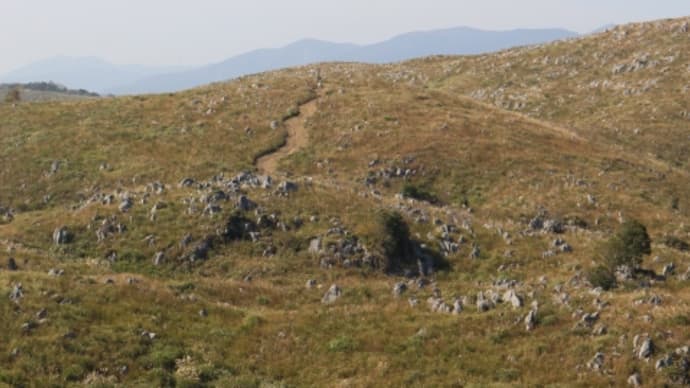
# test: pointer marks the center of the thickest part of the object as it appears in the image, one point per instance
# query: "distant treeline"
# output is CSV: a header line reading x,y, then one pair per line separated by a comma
x,y
48,87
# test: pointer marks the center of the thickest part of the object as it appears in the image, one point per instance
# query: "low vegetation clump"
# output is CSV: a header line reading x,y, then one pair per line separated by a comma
x,y
628,247
395,241
416,192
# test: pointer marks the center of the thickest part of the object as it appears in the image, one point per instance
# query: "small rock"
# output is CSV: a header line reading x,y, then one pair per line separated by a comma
x,y
41,314
186,182
125,205
413,301
482,303
311,283
203,313
159,258
476,252
513,298
28,326
669,269
287,187
597,362
399,288
245,204
54,167
56,272
635,380
61,236
332,294
315,246
17,292
148,334
457,306
12,264
646,349
664,362
530,320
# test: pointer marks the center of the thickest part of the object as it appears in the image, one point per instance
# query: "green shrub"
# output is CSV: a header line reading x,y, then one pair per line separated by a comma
x,y
411,191
342,344
628,246
602,276
396,243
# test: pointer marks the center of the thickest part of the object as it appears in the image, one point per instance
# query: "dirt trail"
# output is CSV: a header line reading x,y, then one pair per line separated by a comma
x,y
297,138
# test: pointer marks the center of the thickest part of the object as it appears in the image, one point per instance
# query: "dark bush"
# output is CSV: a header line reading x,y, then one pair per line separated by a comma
x,y
411,191
628,246
396,244
602,276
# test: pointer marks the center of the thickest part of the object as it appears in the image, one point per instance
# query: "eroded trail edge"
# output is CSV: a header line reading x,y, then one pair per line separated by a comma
x,y
297,138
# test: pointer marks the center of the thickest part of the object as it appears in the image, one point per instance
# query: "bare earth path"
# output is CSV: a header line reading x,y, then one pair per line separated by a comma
x,y
297,138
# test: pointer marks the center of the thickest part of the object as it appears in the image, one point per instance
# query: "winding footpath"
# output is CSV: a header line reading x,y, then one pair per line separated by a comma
x,y
297,138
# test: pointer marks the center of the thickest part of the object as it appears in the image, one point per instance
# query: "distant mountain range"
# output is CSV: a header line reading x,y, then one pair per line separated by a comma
x,y
103,77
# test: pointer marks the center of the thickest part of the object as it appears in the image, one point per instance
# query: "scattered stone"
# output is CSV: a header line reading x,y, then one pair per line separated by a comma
x,y
17,292
531,320
311,283
655,300
436,304
513,298
332,294
245,204
54,167
203,313
186,182
12,264
457,306
476,252
42,314
61,236
159,258
399,288
149,335
664,362
56,272
287,187
597,362
28,326
669,269
635,380
482,303
125,205
588,320
200,251
646,349
413,301
315,246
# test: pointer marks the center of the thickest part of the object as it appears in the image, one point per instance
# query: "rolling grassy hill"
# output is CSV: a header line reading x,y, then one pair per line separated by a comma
x,y
152,249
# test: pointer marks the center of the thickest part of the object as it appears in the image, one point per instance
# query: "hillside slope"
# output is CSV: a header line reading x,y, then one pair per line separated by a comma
x,y
149,248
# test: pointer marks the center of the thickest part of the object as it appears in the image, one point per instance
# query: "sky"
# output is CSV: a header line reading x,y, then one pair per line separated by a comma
x,y
194,32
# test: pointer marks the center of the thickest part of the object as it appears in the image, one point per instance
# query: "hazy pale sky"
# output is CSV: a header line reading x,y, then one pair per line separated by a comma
x,y
186,32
